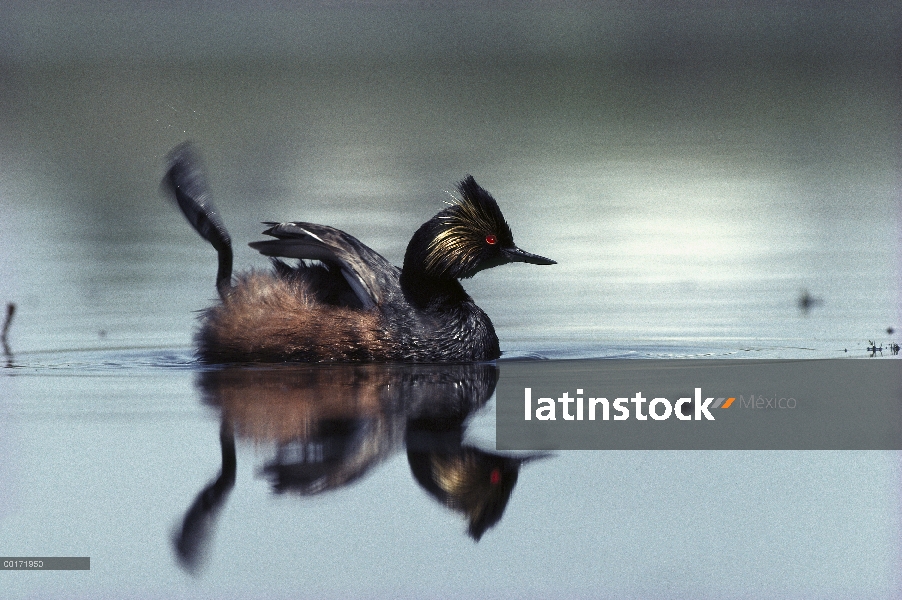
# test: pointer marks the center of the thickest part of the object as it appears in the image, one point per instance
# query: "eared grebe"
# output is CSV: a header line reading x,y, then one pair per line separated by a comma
x,y
350,303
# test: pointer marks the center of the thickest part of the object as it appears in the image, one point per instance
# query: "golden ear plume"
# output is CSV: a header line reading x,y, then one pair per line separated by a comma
x,y
464,227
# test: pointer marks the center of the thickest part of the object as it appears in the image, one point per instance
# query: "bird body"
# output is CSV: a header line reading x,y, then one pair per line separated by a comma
x,y
343,301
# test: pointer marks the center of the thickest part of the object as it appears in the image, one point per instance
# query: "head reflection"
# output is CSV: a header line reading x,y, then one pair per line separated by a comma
x,y
463,478
329,425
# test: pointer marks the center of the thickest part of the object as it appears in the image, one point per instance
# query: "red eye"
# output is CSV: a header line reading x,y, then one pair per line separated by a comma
x,y
491,240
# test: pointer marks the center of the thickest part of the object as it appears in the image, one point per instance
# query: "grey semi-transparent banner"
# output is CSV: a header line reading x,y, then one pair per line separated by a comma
x,y
843,404
45,563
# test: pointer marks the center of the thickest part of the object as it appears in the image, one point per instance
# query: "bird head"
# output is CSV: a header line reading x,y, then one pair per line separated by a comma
x,y
468,236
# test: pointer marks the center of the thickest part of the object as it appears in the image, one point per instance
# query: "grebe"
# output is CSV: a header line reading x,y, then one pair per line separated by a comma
x,y
350,304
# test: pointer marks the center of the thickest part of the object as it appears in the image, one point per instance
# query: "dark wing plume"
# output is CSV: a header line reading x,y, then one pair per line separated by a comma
x,y
371,277
185,180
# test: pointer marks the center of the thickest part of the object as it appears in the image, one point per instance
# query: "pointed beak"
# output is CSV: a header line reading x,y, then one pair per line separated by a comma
x,y
516,255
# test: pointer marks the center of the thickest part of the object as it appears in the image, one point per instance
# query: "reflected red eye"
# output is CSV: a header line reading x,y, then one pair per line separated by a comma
x,y
491,239
495,477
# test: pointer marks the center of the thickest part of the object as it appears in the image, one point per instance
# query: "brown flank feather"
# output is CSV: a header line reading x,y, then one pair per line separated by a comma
x,y
266,317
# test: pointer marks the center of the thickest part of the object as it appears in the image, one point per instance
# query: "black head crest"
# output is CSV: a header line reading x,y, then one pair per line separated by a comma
x,y
467,233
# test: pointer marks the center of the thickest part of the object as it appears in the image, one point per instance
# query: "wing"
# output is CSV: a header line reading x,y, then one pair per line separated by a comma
x,y
372,278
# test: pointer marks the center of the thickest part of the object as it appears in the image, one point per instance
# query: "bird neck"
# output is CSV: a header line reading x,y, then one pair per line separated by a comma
x,y
428,292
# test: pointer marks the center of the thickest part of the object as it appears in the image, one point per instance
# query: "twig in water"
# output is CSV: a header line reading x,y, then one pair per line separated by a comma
x,y
10,311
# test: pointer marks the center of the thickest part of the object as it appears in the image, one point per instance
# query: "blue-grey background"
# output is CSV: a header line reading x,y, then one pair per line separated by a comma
x,y
693,171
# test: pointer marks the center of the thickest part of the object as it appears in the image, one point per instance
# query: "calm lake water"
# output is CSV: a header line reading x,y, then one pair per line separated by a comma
x,y
695,174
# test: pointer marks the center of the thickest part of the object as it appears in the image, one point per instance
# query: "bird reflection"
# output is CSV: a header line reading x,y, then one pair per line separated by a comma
x,y
330,425
465,479
190,543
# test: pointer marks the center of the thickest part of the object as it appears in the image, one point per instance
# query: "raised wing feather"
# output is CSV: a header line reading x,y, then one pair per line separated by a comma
x,y
186,181
371,277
